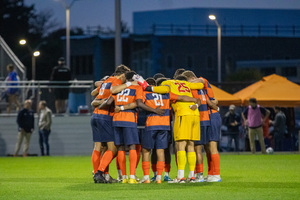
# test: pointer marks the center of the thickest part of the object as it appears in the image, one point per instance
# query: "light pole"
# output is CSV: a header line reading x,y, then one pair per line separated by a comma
x,y
33,59
118,33
68,46
213,17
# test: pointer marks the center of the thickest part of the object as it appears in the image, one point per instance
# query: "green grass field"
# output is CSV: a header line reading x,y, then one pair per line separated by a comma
x,y
243,177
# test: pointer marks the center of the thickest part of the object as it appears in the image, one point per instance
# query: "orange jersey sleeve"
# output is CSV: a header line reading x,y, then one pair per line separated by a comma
x,y
203,108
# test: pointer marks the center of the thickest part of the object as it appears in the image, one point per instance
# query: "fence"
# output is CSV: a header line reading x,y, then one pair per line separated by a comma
x,y
79,92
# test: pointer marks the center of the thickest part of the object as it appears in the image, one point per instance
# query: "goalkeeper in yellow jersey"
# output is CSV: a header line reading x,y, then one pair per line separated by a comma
x,y
186,123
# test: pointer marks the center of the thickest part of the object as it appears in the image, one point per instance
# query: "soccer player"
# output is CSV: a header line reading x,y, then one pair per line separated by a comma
x,y
101,122
186,124
212,154
205,124
125,126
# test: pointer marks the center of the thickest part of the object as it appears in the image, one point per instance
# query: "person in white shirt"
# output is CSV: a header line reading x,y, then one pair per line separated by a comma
x,y
45,121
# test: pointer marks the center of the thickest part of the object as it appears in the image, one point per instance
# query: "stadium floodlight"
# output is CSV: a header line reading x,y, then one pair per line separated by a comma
x,y
33,55
22,42
36,53
213,18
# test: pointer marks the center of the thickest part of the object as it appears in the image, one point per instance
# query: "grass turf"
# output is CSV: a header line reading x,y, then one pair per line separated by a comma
x,y
243,177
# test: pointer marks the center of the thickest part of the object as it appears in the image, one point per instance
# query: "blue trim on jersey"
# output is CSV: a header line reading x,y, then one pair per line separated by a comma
x,y
124,124
167,113
149,96
105,85
101,116
152,128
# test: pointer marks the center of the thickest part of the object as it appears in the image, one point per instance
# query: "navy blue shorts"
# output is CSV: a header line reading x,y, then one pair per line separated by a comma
x,y
215,131
126,136
155,139
102,129
204,131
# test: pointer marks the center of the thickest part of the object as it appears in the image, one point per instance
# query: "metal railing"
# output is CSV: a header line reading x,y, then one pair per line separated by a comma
x,y
35,88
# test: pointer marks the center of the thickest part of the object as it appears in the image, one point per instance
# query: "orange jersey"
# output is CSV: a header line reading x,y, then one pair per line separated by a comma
x,y
210,94
104,93
127,118
153,100
203,108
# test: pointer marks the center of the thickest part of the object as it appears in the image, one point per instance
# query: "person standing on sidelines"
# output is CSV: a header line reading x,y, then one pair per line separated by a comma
x,y
12,93
25,120
279,124
45,121
254,117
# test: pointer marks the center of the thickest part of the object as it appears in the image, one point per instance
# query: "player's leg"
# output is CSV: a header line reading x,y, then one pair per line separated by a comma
x,y
153,164
146,165
131,138
161,143
167,163
214,138
199,163
191,157
181,158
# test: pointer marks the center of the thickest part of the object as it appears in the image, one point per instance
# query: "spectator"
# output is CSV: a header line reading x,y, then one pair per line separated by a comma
x,y
61,73
25,122
253,118
232,121
279,124
45,121
12,93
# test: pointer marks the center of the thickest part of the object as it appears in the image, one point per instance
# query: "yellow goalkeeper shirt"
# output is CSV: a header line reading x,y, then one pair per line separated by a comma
x,y
180,88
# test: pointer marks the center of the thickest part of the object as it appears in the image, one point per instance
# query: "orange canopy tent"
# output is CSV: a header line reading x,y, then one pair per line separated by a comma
x,y
272,90
224,98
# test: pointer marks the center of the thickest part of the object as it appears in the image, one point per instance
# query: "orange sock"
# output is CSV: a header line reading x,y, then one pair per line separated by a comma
x,y
146,167
199,168
138,149
122,162
167,167
132,161
106,159
160,167
209,164
153,167
96,160
216,163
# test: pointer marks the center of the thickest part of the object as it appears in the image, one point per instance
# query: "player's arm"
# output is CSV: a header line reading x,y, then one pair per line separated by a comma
x,y
106,103
157,110
158,89
213,104
94,92
196,86
97,102
118,88
126,107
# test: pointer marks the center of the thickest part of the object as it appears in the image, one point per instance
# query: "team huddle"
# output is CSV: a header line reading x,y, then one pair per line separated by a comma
x,y
181,110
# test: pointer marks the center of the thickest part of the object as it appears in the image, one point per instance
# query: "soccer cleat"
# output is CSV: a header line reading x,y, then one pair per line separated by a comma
x,y
175,180
153,178
158,181
99,178
132,181
144,181
110,179
137,178
206,177
191,180
214,178
199,179
119,179
125,180
167,178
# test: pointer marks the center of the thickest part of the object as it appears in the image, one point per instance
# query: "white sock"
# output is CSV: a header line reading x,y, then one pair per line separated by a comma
x,y
146,177
158,177
180,174
154,173
124,177
132,176
166,173
191,174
